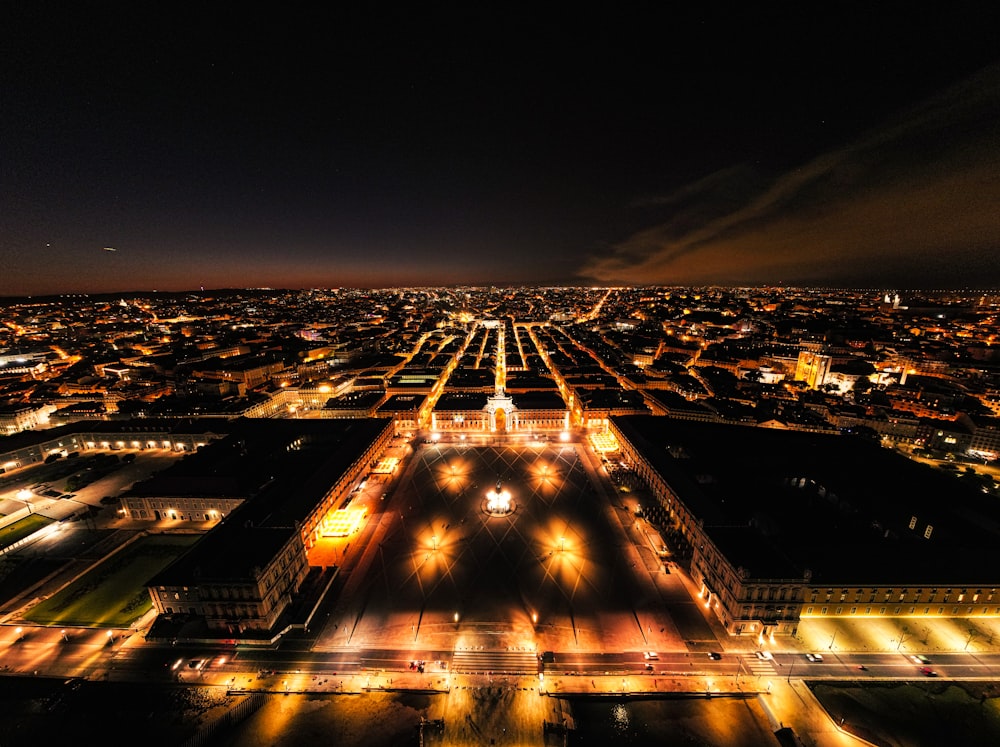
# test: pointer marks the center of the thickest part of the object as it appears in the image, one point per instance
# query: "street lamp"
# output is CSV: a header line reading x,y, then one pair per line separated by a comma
x,y
562,544
434,542
902,640
24,495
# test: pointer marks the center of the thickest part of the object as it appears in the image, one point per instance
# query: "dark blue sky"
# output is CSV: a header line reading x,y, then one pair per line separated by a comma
x,y
838,146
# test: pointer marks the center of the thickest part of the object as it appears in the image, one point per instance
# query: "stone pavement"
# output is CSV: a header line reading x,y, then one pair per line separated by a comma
x,y
510,709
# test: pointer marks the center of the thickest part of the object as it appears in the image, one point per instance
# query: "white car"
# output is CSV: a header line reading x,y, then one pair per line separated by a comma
x,y
650,655
765,655
815,657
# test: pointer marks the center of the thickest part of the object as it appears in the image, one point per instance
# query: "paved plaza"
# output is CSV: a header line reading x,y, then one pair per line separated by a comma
x,y
560,571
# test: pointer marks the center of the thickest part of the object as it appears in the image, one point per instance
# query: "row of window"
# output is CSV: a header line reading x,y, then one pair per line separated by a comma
x,y
210,515
232,611
779,593
963,595
213,592
176,504
770,613
898,610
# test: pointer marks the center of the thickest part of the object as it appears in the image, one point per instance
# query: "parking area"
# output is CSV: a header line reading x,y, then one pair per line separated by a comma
x,y
62,488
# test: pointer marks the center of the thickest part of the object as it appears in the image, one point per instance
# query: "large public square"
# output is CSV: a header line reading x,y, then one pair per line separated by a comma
x,y
564,569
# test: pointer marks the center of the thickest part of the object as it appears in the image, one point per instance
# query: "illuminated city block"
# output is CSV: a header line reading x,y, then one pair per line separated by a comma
x,y
343,522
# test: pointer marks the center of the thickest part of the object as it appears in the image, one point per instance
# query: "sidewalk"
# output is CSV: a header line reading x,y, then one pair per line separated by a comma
x,y
787,705
442,681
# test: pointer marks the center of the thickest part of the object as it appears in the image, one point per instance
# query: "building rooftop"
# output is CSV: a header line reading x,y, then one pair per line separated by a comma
x,y
539,400
232,553
843,509
282,468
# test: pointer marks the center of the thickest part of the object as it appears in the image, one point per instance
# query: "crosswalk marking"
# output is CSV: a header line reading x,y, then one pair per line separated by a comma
x,y
759,666
496,662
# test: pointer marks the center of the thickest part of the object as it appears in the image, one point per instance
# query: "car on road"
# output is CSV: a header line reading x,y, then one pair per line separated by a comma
x,y
764,655
928,672
714,655
919,659
650,655
818,658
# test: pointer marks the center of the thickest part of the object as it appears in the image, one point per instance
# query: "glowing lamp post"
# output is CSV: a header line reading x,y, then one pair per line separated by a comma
x,y
24,495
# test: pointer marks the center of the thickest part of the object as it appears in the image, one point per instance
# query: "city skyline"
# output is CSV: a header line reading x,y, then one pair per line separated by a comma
x,y
639,498
750,149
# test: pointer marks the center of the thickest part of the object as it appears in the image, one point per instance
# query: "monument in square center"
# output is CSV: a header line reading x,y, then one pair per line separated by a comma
x,y
498,501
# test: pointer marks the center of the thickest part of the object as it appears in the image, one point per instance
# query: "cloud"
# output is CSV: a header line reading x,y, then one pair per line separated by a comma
x,y
915,200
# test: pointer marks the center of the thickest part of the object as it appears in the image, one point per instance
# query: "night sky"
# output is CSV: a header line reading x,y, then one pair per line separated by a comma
x,y
804,144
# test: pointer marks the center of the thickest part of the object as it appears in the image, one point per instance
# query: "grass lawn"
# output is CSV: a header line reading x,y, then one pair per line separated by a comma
x,y
915,714
113,593
20,529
